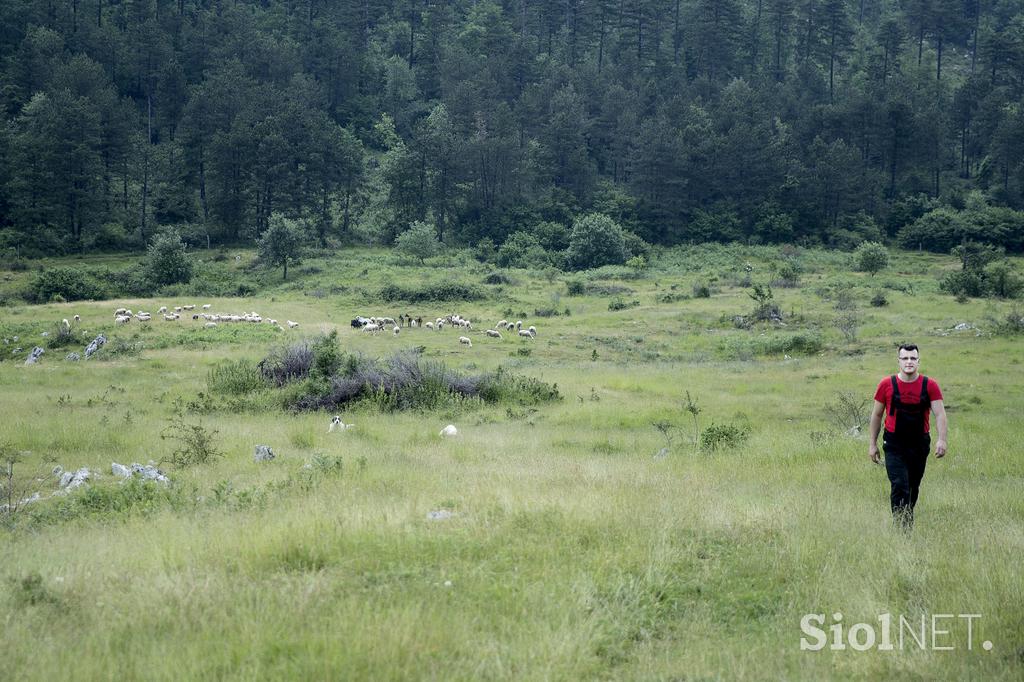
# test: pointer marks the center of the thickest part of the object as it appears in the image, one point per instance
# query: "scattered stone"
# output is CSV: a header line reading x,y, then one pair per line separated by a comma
x,y
37,353
149,472
964,326
73,357
263,454
440,515
449,431
69,481
120,470
96,344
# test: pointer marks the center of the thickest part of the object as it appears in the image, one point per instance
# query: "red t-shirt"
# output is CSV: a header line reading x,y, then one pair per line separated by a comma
x,y
909,393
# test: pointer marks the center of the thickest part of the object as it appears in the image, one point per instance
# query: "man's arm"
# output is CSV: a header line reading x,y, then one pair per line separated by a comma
x,y
939,410
876,426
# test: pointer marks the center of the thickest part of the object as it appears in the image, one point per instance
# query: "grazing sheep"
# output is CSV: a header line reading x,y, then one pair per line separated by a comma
x,y
122,319
120,311
292,325
338,425
464,340
525,333
396,330
510,326
77,318
188,307
64,323
493,333
206,306
210,325
163,309
371,328
532,330
177,308
428,325
502,323
449,431
172,317
519,325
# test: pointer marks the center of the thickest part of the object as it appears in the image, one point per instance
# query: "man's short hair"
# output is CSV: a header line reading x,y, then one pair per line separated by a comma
x,y
908,346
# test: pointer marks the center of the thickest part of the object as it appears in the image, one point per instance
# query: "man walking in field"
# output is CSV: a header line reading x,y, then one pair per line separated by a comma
x,y
906,399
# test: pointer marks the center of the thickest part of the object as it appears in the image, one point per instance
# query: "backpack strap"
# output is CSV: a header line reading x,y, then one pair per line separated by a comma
x,y
895,396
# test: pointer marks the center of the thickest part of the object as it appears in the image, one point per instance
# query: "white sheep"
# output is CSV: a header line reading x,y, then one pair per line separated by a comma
x,y
371,328
493,333
428,325
525,333
163,309
338,425
64,323
122,319
464,340
77,318
395,330
292,325
206,306
502,323
120,311
519,325
532,330
172,317
449,431
210,325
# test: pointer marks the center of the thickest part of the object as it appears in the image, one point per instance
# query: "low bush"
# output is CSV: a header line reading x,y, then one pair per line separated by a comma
x,y
287,363
575,287
620,304
497,278
404,381
723,437
234,378
439,291
70,284
879,300
196,443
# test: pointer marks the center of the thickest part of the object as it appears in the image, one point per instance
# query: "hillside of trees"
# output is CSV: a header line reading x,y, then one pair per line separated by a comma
x,y
805,121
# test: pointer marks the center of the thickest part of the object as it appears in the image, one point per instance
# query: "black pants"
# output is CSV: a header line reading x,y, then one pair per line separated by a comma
x,y
905,461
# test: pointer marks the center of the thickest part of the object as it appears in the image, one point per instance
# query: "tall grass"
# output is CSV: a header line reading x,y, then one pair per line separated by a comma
x,y
569,551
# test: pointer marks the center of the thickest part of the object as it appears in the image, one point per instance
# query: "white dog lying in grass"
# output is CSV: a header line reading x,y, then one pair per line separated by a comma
x,y
338,425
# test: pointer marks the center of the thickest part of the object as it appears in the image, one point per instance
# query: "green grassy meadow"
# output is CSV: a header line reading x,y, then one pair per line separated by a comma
x,y
571,552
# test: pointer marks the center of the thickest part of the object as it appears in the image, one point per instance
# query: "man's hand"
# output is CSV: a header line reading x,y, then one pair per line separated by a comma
x,y
940,449
873,451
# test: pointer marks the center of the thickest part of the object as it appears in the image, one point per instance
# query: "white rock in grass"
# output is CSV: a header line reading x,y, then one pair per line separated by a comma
x,y
263,454
120,470
37,353
149,472
440,515
449,431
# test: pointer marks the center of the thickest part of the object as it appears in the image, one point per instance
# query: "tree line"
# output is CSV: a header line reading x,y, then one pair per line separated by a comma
x,y
809,121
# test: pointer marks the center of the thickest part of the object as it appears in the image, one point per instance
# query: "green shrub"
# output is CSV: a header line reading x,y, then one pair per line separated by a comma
x,y
166,260
196,443
234,378
522,250
701,290
419,241
620,304
575,287
723,437
879,300
71,284
439,291
596,240
871,257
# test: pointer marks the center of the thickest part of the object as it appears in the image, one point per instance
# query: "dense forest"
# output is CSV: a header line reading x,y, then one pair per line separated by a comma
x,y
805,121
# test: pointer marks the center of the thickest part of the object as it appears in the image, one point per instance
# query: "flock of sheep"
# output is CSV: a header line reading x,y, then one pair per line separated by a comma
x,y
376,325
125,315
